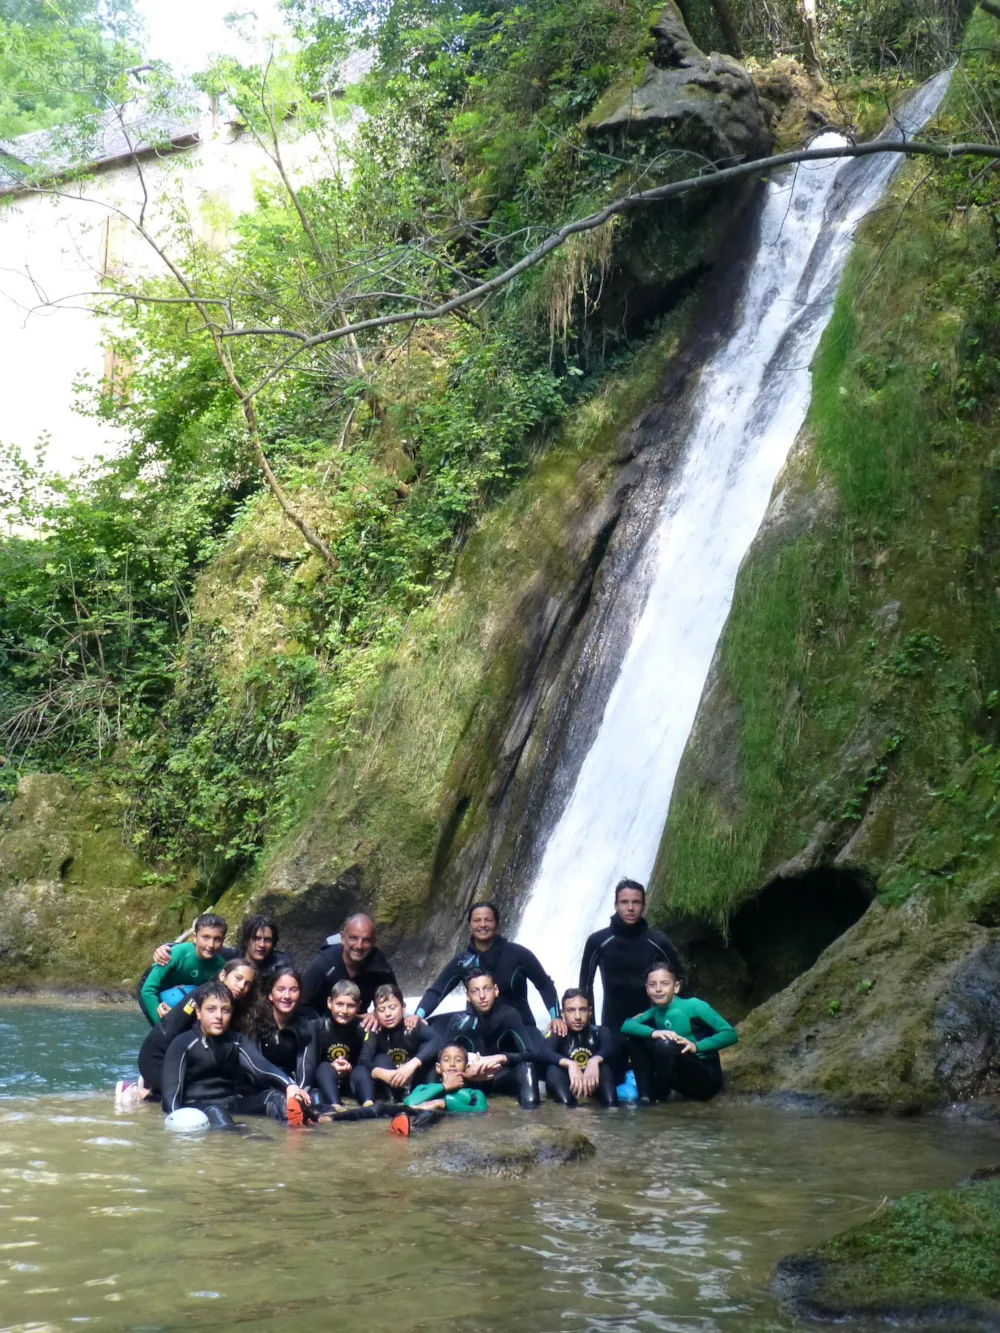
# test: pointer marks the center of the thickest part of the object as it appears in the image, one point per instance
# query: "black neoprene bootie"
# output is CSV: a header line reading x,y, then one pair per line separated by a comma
x,y
220,1119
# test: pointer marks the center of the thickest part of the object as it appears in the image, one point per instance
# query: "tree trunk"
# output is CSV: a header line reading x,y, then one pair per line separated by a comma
x,y
730,31
811,56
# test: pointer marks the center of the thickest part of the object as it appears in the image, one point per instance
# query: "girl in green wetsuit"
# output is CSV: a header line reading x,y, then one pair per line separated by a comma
x,y
675,1044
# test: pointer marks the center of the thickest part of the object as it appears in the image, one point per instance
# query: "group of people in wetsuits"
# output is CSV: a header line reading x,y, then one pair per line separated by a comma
x,y
239,1031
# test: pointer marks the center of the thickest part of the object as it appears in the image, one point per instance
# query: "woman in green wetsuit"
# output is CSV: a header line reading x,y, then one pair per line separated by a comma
x,y
675,1044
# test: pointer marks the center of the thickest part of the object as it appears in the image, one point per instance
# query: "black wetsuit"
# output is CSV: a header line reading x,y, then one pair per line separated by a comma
x,y
277,959
286,1047
153,1051
227,1071
579,1047
331,1041
328,967
510,965
388,1048
502,1032
623,955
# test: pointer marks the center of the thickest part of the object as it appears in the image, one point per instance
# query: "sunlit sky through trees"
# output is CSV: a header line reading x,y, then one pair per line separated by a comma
x,y
187,33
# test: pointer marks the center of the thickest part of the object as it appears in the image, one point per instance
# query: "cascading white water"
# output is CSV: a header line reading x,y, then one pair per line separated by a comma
x,y
751,401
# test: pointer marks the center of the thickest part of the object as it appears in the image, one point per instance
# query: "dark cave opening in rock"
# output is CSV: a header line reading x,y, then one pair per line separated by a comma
x,y
773,938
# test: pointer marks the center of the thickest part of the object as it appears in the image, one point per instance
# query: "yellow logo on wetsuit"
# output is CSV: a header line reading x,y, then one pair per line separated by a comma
x,y
336,1053
398,1057
581,1056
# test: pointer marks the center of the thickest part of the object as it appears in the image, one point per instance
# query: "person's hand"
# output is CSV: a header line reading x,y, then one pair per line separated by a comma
x,y
382,1075
687,1047
453,1081
404,1073
556,1027
410,1022
161,954
341,1065
591,1074
491,1063
661,1035
369,1022
576,1086
162,1010
438,1104
293,1090
481,1066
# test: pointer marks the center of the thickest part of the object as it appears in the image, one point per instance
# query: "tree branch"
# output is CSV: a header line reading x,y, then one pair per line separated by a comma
x,y
626,204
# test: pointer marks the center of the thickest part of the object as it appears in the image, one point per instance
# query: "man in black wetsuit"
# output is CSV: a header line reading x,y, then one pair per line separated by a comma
x,y
349,956
505,1054
581,1064
510,965
394,1055
213,1067
623,953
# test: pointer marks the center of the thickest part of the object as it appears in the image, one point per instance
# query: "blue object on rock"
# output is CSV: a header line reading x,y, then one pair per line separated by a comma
x,y
627,1091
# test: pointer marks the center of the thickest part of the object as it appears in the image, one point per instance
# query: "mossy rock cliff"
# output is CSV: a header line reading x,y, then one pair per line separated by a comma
x,y
845,746
76,907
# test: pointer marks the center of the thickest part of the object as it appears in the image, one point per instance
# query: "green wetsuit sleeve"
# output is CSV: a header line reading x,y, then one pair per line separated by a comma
x,y
157,980
466,1101
640,1026
724,1035
424,1092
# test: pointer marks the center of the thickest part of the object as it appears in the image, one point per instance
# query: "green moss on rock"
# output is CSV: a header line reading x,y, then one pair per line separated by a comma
x,y
929,1260
76,907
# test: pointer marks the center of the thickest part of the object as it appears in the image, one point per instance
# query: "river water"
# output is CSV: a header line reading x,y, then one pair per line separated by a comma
x,y
109,1222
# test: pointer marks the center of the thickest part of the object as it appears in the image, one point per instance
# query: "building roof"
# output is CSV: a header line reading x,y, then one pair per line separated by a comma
x,y
134,131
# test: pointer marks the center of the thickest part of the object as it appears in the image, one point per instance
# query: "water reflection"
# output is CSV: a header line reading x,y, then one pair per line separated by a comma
x,y
675,1225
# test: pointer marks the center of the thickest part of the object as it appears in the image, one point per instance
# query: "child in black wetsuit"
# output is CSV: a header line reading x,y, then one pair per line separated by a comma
x,y
239,978
210,1066
581,1063
331,1063
396,1054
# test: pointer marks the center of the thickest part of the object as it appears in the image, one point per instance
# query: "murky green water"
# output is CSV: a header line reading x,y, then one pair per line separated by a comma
x,y
107,1221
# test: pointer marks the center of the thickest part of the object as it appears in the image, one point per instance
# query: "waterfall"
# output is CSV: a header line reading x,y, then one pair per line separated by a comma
x,y
751,401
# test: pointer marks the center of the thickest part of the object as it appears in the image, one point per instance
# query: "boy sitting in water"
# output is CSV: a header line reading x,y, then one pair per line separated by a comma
x,y
331,1061
213,1068
581,1063
393,1055
190,965
449,1093
675,1044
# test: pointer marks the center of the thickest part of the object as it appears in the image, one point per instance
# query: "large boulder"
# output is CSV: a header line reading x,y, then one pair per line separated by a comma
x,y
899,1014
705,104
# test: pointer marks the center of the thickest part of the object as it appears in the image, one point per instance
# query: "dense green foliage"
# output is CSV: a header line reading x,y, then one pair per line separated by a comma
x,y
54,58
391,448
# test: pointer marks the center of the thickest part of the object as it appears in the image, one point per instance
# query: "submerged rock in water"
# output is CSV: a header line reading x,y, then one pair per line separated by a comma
x,y
707,104
512,1152
926,1261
